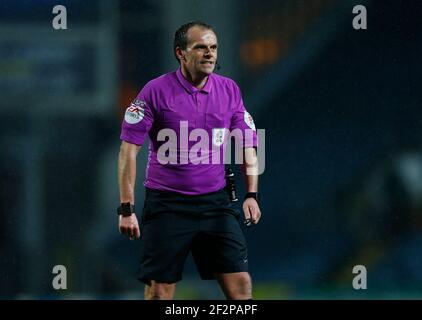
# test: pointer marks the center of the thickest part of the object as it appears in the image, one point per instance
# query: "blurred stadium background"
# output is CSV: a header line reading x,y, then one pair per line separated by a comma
x,y
342,114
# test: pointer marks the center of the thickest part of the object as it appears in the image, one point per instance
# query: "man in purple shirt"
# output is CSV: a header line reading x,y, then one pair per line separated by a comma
x,y
188,115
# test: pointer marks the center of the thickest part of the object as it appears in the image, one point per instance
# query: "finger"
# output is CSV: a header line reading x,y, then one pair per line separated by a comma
x,y
246,212
254,214
251,210
137,232
125,231
258,216
248,220
130,232
122,230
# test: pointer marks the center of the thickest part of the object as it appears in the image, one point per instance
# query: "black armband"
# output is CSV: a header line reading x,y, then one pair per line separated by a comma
x,y
126,209
254,195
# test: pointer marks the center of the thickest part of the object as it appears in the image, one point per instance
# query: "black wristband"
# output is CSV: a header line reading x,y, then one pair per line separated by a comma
x,y
126,209
254,195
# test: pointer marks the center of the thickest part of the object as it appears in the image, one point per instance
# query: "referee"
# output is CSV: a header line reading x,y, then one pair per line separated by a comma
x,y
187,208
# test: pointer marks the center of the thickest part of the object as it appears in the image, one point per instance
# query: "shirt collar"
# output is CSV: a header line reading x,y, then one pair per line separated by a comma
x,y
189,87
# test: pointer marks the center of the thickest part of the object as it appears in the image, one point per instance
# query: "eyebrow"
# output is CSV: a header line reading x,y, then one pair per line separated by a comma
x,y
203,45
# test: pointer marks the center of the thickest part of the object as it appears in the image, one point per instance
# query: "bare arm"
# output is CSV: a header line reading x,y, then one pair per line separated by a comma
x,y
250,169
127,171
127,177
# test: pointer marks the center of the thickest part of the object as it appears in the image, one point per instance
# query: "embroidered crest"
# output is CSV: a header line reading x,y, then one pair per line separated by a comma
x,y
218,136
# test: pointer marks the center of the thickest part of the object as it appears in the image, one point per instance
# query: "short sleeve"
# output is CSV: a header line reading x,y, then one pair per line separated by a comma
x,y
138,118
243,121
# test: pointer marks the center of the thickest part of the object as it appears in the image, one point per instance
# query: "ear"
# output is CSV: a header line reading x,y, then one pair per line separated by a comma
x,y
179,54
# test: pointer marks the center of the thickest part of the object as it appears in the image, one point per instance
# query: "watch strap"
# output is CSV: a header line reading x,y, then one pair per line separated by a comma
x,y
126,209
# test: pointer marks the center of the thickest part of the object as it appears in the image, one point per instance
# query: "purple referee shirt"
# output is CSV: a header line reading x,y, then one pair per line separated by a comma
x,y
168,101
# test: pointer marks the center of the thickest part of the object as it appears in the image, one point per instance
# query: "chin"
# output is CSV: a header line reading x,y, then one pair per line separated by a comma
x,y
207,71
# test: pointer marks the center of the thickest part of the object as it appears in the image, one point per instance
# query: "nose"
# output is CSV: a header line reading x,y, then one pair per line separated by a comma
x,y
208,52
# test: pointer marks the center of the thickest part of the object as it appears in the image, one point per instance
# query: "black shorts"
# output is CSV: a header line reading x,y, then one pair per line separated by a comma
x,y
173,225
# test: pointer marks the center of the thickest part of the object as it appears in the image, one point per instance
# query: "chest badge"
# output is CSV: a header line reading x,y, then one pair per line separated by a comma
x,y
218,136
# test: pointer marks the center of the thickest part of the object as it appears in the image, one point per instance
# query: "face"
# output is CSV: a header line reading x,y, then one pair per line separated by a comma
x,y
200,55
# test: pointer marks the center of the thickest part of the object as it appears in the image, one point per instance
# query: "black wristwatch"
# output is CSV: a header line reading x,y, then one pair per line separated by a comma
x,y
126,209
254,195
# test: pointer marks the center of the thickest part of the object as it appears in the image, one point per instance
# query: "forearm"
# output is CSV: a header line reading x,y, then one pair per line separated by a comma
x,y
250,170
127,172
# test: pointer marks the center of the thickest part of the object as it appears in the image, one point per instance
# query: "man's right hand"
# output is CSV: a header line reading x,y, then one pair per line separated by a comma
x,y
129,226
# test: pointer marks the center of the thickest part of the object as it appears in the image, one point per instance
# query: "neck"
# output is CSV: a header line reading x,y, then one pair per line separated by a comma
x,y
198,81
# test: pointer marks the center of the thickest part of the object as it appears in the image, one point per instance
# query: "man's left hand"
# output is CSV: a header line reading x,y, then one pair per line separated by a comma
x,y
251,210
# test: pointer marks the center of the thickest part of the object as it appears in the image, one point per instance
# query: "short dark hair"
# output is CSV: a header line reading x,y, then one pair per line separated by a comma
x,y
180,37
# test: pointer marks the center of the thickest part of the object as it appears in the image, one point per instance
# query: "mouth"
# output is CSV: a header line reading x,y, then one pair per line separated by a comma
x,y
207,63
